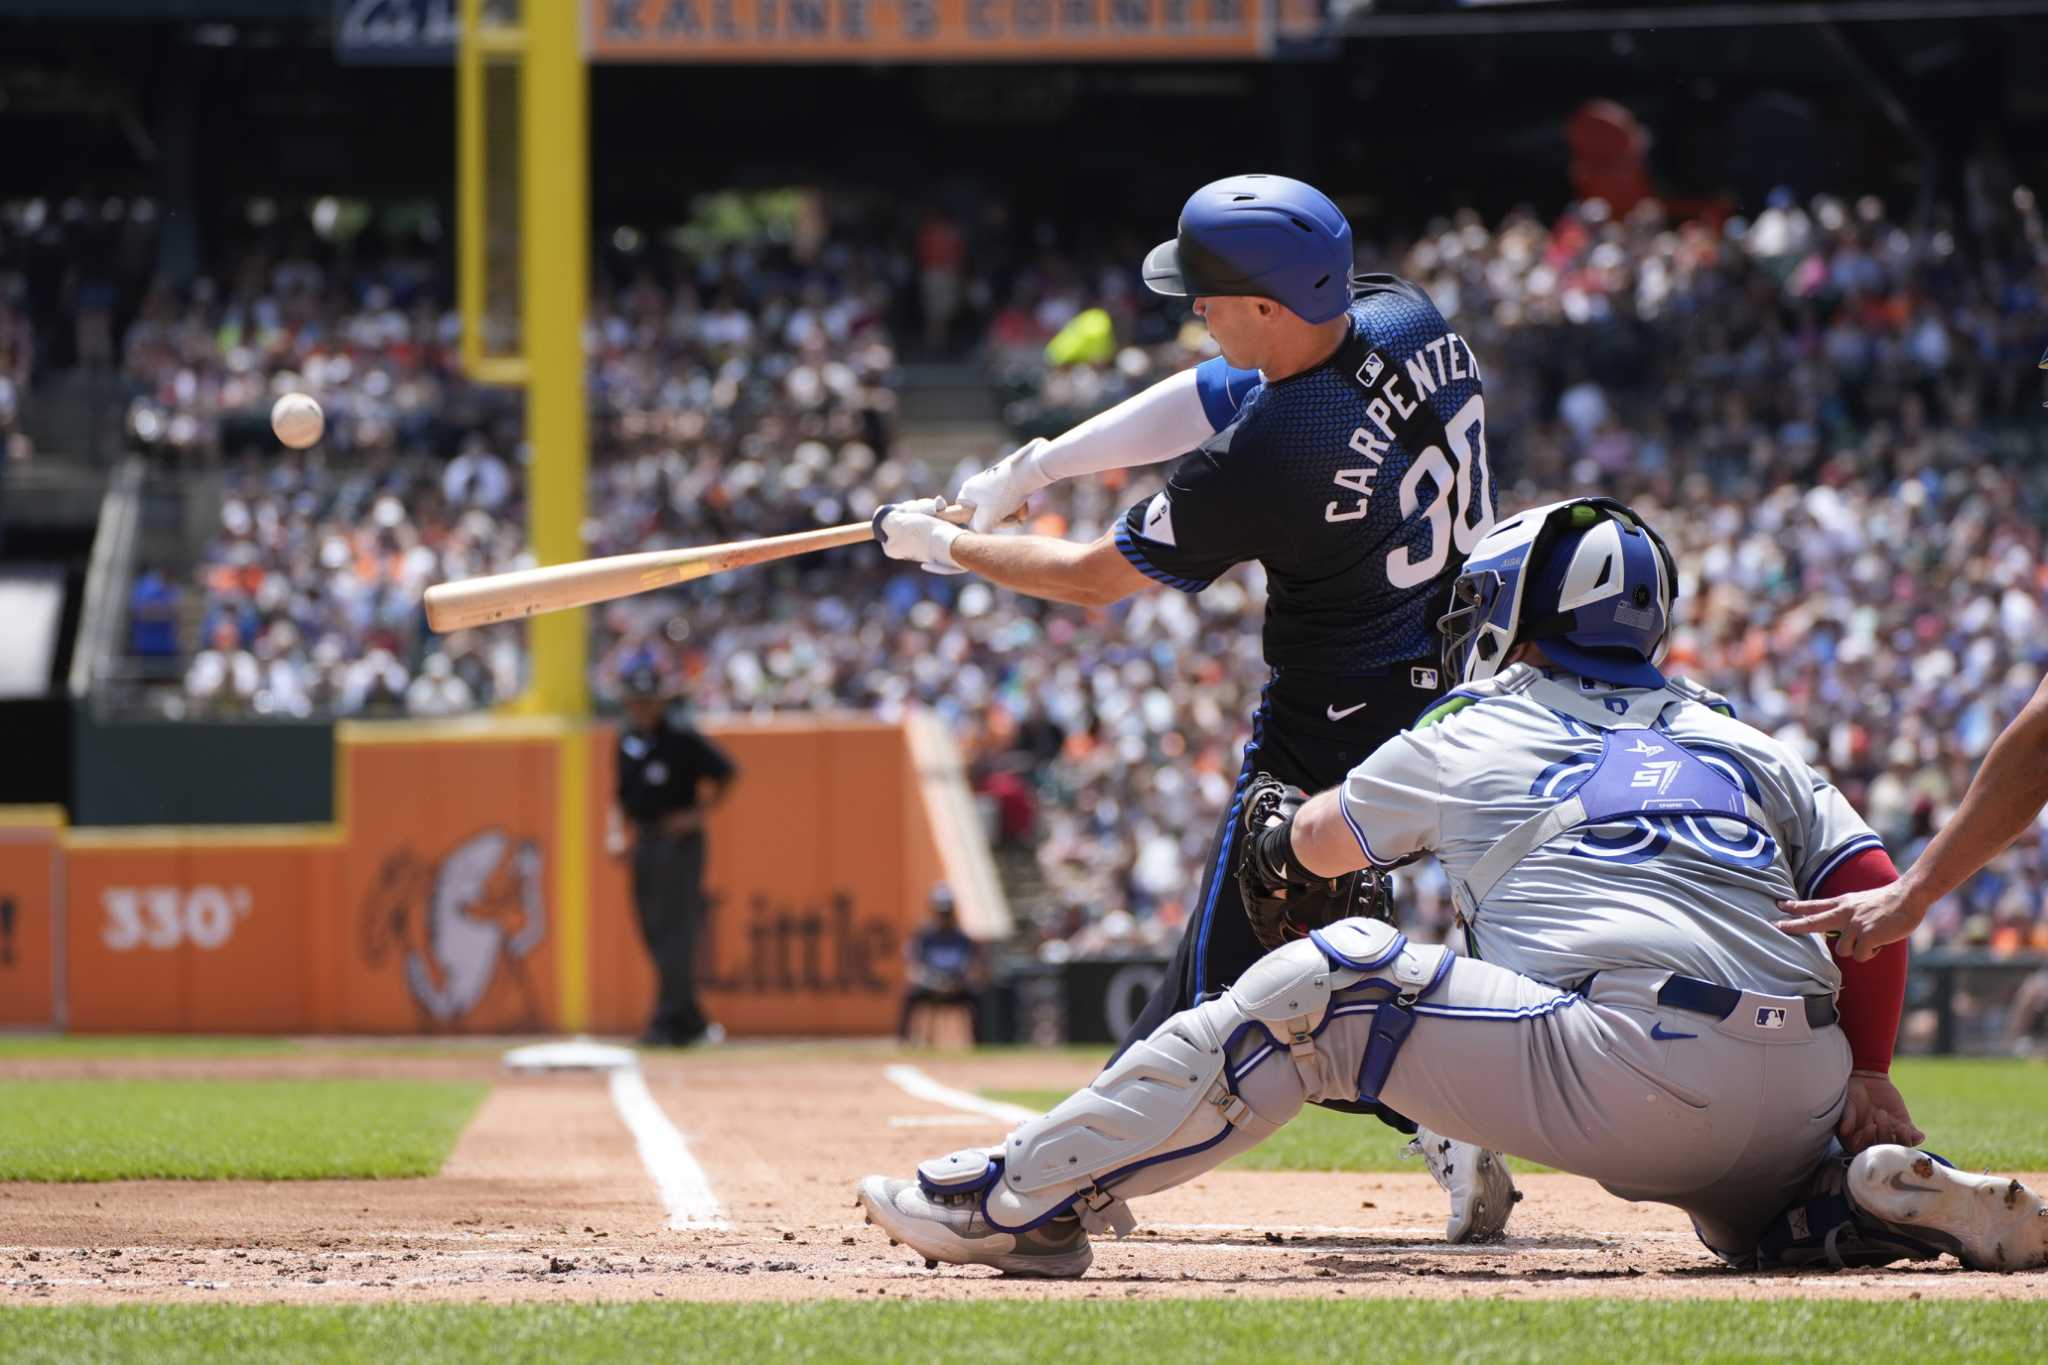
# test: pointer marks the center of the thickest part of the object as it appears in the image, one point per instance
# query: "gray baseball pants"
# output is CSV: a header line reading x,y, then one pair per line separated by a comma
x,y
1727,1119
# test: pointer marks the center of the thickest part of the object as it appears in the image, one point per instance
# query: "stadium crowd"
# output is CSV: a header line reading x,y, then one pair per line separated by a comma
x,y
311,586
1829,411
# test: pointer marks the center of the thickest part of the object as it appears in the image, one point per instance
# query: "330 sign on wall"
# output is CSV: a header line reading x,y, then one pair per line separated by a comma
x,y
165,917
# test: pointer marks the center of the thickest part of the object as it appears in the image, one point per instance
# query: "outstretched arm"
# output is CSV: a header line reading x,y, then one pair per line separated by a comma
x,y
1090,575
2004,798
1159,423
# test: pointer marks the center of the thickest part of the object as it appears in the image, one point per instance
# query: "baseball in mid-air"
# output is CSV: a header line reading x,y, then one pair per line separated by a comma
x,y
297,420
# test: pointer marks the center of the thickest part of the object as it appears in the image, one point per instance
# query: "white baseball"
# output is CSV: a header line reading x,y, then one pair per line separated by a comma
x,y
297,420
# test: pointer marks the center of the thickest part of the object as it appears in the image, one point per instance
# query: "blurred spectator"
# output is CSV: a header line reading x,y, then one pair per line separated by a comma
x,y
944,973
476,478
941,255
153,618
437,691
225,676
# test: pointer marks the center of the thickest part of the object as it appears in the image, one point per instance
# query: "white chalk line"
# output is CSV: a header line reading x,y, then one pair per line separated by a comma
x,y
685,1190
916,1084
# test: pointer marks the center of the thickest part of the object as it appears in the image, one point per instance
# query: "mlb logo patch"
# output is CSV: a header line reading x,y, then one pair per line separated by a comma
x,y
1369,372
1770,1016
1425,678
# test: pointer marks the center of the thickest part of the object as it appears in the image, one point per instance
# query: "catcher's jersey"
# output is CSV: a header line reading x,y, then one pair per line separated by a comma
x,y
1358,484
1645,883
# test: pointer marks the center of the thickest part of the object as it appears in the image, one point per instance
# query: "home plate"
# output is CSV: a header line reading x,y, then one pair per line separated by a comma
x,y
573,1054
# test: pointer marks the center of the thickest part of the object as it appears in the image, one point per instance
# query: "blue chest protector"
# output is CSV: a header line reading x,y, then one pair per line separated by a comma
x,y
1642,775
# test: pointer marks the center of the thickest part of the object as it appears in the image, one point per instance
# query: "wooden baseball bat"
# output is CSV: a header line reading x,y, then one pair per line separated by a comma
x,y
558,587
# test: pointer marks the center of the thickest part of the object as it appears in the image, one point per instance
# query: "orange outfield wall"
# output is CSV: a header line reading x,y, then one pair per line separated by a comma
x,y
437,902
819,867
29,915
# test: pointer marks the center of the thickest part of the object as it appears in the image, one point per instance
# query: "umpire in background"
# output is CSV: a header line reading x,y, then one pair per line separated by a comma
x,y
670,778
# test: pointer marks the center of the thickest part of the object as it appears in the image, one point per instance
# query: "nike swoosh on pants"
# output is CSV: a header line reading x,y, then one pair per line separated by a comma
x,y
1334,714
1657,1032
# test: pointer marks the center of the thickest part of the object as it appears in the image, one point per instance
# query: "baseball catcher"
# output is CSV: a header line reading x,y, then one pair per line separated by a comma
x,y
1617,844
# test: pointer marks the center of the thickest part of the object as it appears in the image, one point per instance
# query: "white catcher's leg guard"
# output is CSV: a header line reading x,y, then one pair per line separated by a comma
x,y
1207,1084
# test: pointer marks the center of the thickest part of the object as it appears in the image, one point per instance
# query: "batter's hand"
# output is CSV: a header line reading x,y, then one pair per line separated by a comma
x,y
998,492
1876,1113
912,531
1861,921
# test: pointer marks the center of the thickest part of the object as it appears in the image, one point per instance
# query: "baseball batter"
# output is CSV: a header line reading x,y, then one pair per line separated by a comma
x,y
1340,440
1618,844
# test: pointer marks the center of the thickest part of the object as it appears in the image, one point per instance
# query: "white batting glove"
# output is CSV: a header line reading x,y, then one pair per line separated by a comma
x,y
910,531
997,492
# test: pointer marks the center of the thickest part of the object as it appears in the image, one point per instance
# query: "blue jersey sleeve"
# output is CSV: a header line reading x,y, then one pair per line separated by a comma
x,y
1204,521
1223,390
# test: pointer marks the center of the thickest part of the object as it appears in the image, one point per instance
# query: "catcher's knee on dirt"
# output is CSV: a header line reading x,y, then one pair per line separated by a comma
x,y
1209,1083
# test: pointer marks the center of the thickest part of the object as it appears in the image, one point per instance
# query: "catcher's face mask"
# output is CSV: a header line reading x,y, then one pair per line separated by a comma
x,y
1491,605
1486,598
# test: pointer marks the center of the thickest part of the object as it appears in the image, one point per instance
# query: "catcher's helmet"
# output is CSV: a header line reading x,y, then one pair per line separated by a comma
x,y
1260,235
1587,578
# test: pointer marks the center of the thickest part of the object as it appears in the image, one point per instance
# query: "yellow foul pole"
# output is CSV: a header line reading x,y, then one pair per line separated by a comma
x,y
555,263
533,50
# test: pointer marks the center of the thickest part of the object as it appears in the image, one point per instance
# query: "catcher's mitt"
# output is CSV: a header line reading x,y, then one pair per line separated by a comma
x,y
1281,898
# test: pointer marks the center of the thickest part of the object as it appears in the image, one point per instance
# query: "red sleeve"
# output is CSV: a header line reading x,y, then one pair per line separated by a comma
x,y
1874,992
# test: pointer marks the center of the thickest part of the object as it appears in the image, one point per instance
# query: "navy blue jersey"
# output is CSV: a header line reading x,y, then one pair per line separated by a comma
x,y
1361,485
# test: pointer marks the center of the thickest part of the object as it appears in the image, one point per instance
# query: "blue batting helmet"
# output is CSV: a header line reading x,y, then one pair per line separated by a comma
x,y
1586,578
1260,235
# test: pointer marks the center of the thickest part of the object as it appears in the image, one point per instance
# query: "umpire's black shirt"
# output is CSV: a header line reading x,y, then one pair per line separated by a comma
x,y
659,770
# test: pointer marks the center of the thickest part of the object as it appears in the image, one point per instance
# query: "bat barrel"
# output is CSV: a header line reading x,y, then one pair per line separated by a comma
x,y
514,596
521,593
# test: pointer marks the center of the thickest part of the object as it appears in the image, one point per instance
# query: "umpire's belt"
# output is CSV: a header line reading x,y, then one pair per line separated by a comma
x,y
1704,997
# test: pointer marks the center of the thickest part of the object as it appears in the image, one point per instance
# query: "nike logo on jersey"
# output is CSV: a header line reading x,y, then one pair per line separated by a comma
x,y
1334,714
1657,1032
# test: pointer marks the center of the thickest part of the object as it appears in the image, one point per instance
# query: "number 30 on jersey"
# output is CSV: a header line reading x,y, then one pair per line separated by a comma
x,y
1460,512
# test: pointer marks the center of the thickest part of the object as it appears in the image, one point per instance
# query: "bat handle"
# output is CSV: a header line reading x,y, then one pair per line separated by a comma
x,y
960,514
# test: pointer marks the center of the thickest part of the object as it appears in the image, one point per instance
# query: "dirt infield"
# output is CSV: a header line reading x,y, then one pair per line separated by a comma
x,y
546,1198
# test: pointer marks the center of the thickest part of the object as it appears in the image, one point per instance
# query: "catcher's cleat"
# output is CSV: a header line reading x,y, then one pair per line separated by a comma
x,y
1482,1192
952,1229
1987,1222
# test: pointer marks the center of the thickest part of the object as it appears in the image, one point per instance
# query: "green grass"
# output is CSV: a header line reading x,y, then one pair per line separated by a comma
x,y
1980,1113
206,1047
229,1129
1310,1330
1976,1113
